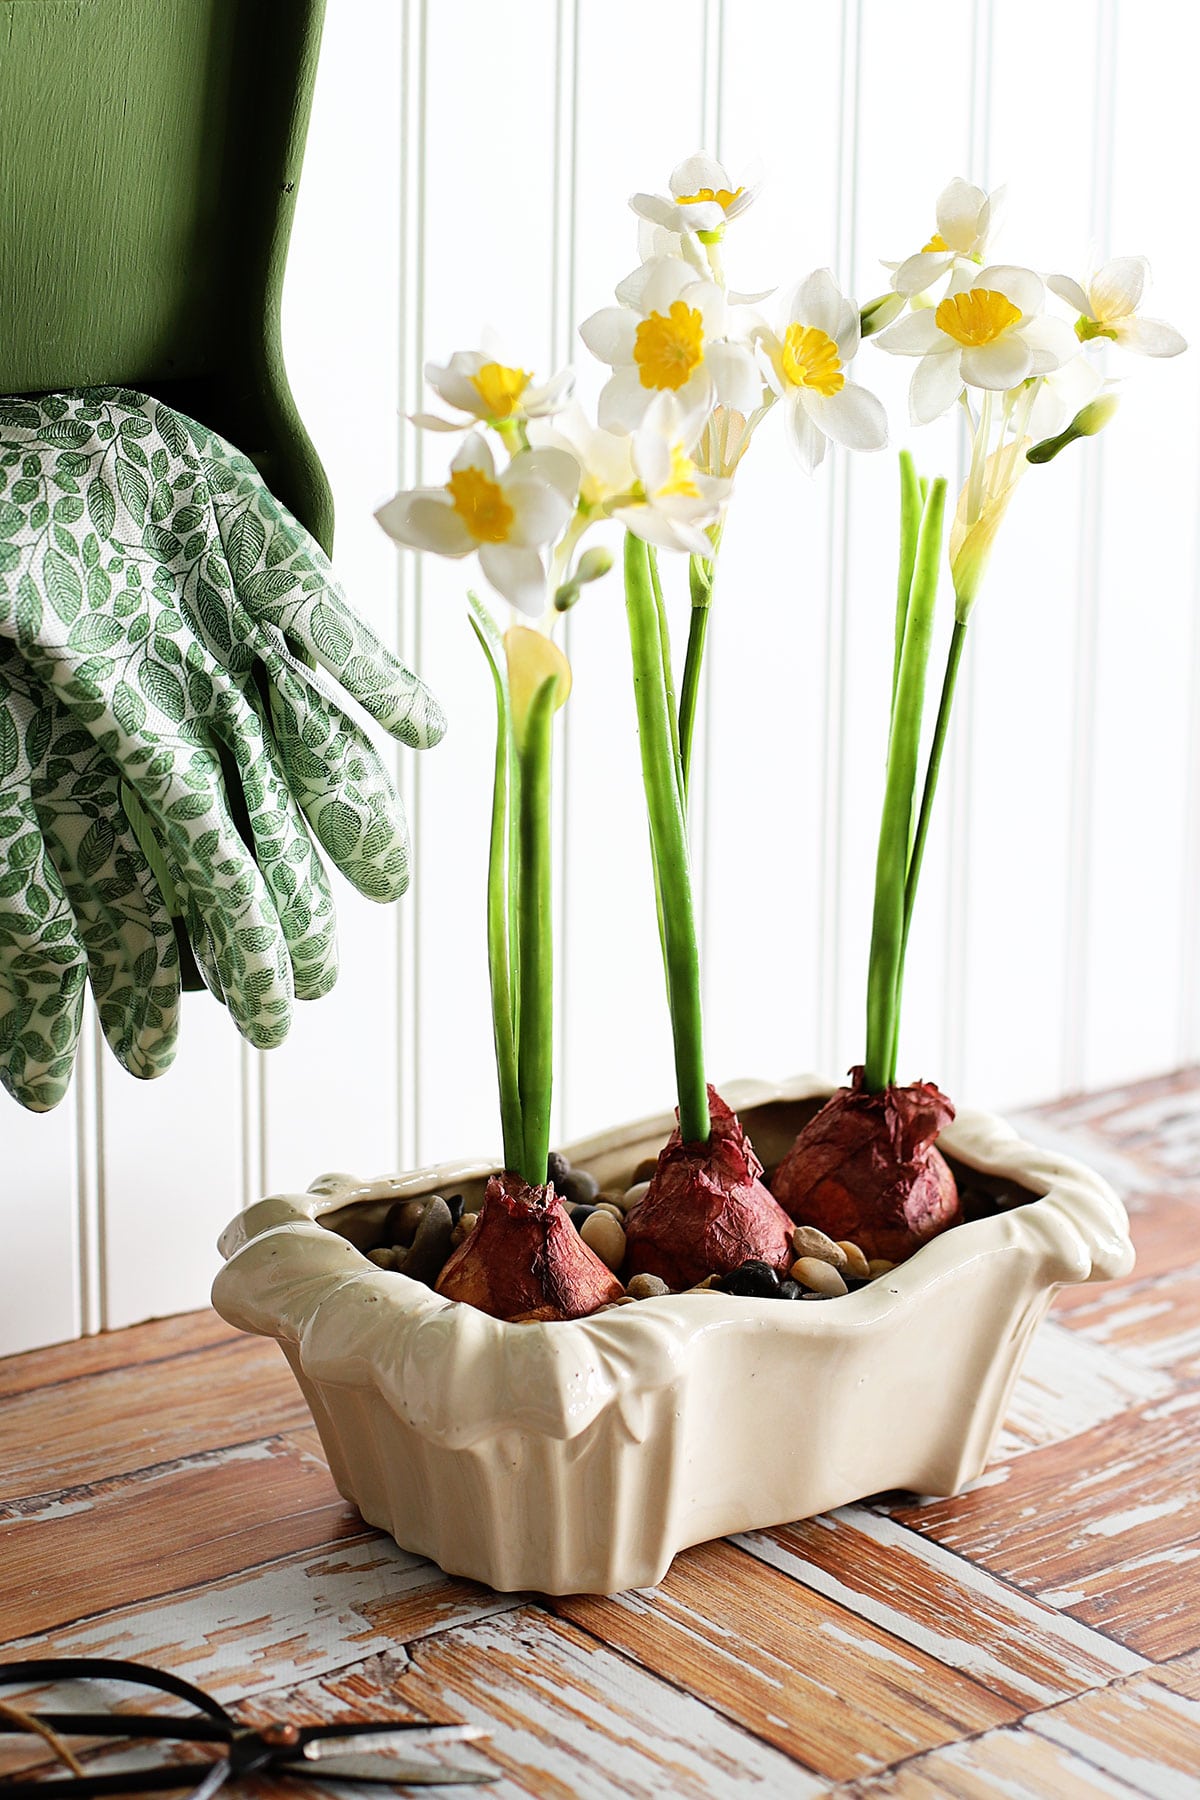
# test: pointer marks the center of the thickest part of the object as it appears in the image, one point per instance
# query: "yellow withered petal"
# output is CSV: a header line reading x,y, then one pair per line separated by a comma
x,y
480,504
533,659
668,346
976,318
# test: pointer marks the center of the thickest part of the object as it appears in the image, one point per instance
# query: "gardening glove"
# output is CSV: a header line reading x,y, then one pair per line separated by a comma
x,y
148,577
76,894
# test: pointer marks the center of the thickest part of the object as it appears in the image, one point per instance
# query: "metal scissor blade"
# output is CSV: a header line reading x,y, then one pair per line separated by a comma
x,y
399,1736
390,1770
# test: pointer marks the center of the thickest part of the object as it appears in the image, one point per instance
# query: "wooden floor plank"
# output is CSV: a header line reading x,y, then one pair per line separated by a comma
x,y
1105,1526
789,1664
953,1612
136,1344
1014,1764
77,1433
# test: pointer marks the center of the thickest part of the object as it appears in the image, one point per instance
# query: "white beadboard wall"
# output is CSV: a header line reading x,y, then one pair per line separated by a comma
x,y
470,163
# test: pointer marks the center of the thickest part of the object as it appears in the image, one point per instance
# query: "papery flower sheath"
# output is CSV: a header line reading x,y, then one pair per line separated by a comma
x,y
966,218
1109,308
703,198
988,332
806,366
670,334
509,518
489,391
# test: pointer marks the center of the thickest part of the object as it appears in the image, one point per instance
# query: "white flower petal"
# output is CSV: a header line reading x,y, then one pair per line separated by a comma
x,y
664,282
1026,290
558,469
1052,343
998,365
807,439
820,302
475,453
623,401
1150,337
702,215
852,417
1070,291
696,172
916,273
550,397
610,335
958,215
1116,290
425,519
432,422
936,384
657,210
917,334
655,527
539,511
735,375
518,573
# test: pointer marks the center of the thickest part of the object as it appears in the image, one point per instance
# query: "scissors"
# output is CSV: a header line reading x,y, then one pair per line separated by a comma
x,y
355,1752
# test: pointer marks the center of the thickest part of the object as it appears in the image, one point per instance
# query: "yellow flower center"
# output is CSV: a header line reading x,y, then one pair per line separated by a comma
x,y
977,318
480,504
810,360
936,242
724,197
500,389
682,479
668,346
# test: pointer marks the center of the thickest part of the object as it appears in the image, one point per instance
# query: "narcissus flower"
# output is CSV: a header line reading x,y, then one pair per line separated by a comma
x,y
673,499
989,332
1109,308
508,518
966,217
486,390
806,367
703,199
670,334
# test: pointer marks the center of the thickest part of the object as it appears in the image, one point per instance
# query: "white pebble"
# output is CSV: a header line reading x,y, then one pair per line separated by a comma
x,y
820,1276
602,1234
632,1195
808,1241
856,1263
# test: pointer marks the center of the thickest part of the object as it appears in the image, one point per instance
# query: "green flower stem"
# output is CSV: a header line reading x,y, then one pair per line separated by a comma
x,y
689,692
895,830
912,504
933,768
664,636
535,901
501,924
668,842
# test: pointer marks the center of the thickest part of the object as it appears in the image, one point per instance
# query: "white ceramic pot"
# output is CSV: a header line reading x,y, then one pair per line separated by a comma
x,y
580,1456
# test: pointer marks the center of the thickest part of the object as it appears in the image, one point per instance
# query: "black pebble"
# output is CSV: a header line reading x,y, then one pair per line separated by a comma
x,y
455,1203
753,1279
579,1188
790,1290
557,1171
579,1214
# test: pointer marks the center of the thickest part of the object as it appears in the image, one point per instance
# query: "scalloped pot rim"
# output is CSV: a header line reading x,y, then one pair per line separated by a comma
x,y
453,1374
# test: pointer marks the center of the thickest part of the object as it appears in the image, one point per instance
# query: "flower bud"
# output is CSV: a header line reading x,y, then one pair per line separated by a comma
x,y
1087,422
880,312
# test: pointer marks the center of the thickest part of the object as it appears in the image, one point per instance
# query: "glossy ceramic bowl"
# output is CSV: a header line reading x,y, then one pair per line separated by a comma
x,y
581,1456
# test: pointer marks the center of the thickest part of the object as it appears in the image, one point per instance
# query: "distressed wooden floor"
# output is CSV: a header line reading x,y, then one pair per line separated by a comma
x,y
163,1496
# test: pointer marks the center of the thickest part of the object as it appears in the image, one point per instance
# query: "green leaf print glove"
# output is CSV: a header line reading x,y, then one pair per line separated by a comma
x,y
75,893
149,578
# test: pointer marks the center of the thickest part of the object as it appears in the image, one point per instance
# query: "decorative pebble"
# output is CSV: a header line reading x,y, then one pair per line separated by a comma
x,y
455,1203
610,1206
400,1226
808,1241
790,1290
647,1287
602,1234
632,1195
464,1228
645,1170
754,1279
579,1188
579,1215
383,1258
710,1285
431,1246
822,1277
879,1265
557,1170
856,1263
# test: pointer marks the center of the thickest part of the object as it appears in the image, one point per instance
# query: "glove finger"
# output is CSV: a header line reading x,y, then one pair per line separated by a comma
x,y
341,781
43,967
284,851
283,577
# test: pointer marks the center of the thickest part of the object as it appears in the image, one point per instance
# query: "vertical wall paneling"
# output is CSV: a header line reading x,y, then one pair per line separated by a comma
x,y
38,1202
90,1236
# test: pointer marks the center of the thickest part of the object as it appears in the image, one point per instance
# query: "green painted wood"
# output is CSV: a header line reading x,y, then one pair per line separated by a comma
x,y
150,152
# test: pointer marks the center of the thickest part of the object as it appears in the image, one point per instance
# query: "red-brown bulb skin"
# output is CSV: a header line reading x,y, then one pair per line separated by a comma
x,y
865,1168
705,1211
525,1261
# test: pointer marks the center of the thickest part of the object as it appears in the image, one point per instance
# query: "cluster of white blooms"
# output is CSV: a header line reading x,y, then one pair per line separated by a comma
x,y
696,368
